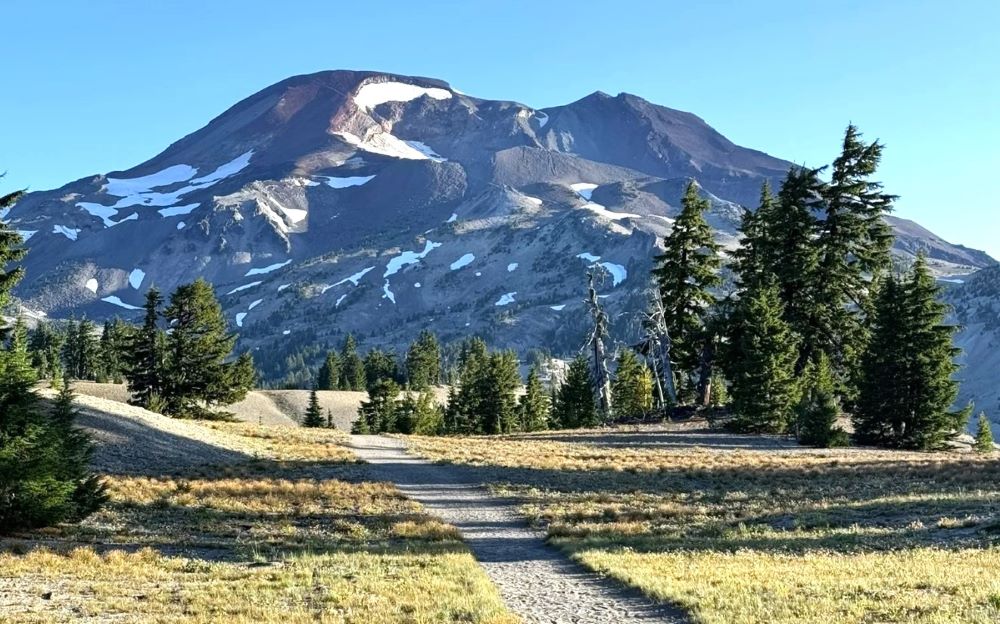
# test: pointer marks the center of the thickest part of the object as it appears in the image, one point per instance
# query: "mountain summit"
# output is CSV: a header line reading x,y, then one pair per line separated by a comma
x,y
381,204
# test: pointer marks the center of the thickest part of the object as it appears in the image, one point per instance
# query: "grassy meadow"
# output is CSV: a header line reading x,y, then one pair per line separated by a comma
x,y
296,534
783,535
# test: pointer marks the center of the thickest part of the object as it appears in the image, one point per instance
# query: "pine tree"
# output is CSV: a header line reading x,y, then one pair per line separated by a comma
x,y
907,390
817,410
984,435
113,350
423,361
381,408
352,368
497,388
762,374
197,376
427,417
575,405
534,404
380,365
633,387
329,419
854,242
752,259
685,274
44,476
313,416
45,344
329,372
145,366
80,353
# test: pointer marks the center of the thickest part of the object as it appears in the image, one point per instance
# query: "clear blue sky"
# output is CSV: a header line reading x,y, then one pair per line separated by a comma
x,y
96,86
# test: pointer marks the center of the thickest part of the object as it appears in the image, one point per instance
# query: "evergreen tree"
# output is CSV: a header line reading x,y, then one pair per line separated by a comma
x,y
907,389
329,419
854,243
427,417
197,374
314,414
575,405
497,388
381,409
984,435
45,344
329,372
423,362
685,274
43,460
762,374
633,387
352,368
380,365
752,259
534,404
817,410
113,350
80,353
145,366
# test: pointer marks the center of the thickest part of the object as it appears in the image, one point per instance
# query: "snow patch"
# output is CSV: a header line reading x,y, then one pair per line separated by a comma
x,y
388,294
339,183
506,299
222,172
584,189
601,211
254,304
416,284
121,304
268,268
380,142
373,94
511,267
91,285
26,234
132,217
135,278
104,213
558,308
239,319
617,271
354,279
341,298
178,210
452,218
243,287
542,118
426,150
589,257
68,232
283,286
534,200
286,332
408,257
180,226
464,261
124,187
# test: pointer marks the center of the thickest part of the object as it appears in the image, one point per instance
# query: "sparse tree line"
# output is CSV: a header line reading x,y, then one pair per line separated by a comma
x,y
807,324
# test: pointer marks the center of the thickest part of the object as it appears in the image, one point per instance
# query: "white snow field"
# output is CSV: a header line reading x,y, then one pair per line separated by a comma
x,y
91,285
354,279
617,271
584,189
409,257
268,268
589,257
387,293
464,261
506,299
339,183
239,318
68,232
381,142
113,300
512,267
135,278
244,287
26,234
178,210
374,93
558,308
254,304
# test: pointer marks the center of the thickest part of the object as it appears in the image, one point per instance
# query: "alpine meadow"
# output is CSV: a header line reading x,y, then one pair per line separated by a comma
x,y
367,349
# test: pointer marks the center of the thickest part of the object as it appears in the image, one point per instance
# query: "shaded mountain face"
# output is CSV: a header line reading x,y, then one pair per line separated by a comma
x,y
381,205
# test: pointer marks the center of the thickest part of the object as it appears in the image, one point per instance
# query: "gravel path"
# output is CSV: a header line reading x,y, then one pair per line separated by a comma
x,y
537,582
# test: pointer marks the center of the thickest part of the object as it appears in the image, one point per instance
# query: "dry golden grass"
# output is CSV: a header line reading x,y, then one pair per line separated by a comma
x,y
779,535
296,536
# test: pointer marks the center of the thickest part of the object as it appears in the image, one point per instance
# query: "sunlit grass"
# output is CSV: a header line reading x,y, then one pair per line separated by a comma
x,y
748,536
297,535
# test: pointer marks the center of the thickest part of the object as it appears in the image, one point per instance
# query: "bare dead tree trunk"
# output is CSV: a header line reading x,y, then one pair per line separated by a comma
x,y
706,363
661,342
602,377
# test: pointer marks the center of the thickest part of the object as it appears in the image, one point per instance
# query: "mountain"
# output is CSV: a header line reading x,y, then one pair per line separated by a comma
x,y
976,302
382,204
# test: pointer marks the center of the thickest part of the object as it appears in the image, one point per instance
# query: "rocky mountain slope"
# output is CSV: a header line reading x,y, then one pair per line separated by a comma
x,y
380,204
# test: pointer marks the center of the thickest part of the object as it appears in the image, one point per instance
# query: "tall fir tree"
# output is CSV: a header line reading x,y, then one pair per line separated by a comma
x,y
380,410
817,410
197,375
685,273
45,343
575,406
423,362
752,259
352,368
907,389
329,372
632,388
145,367
534,404
313,416
762,373
854,242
